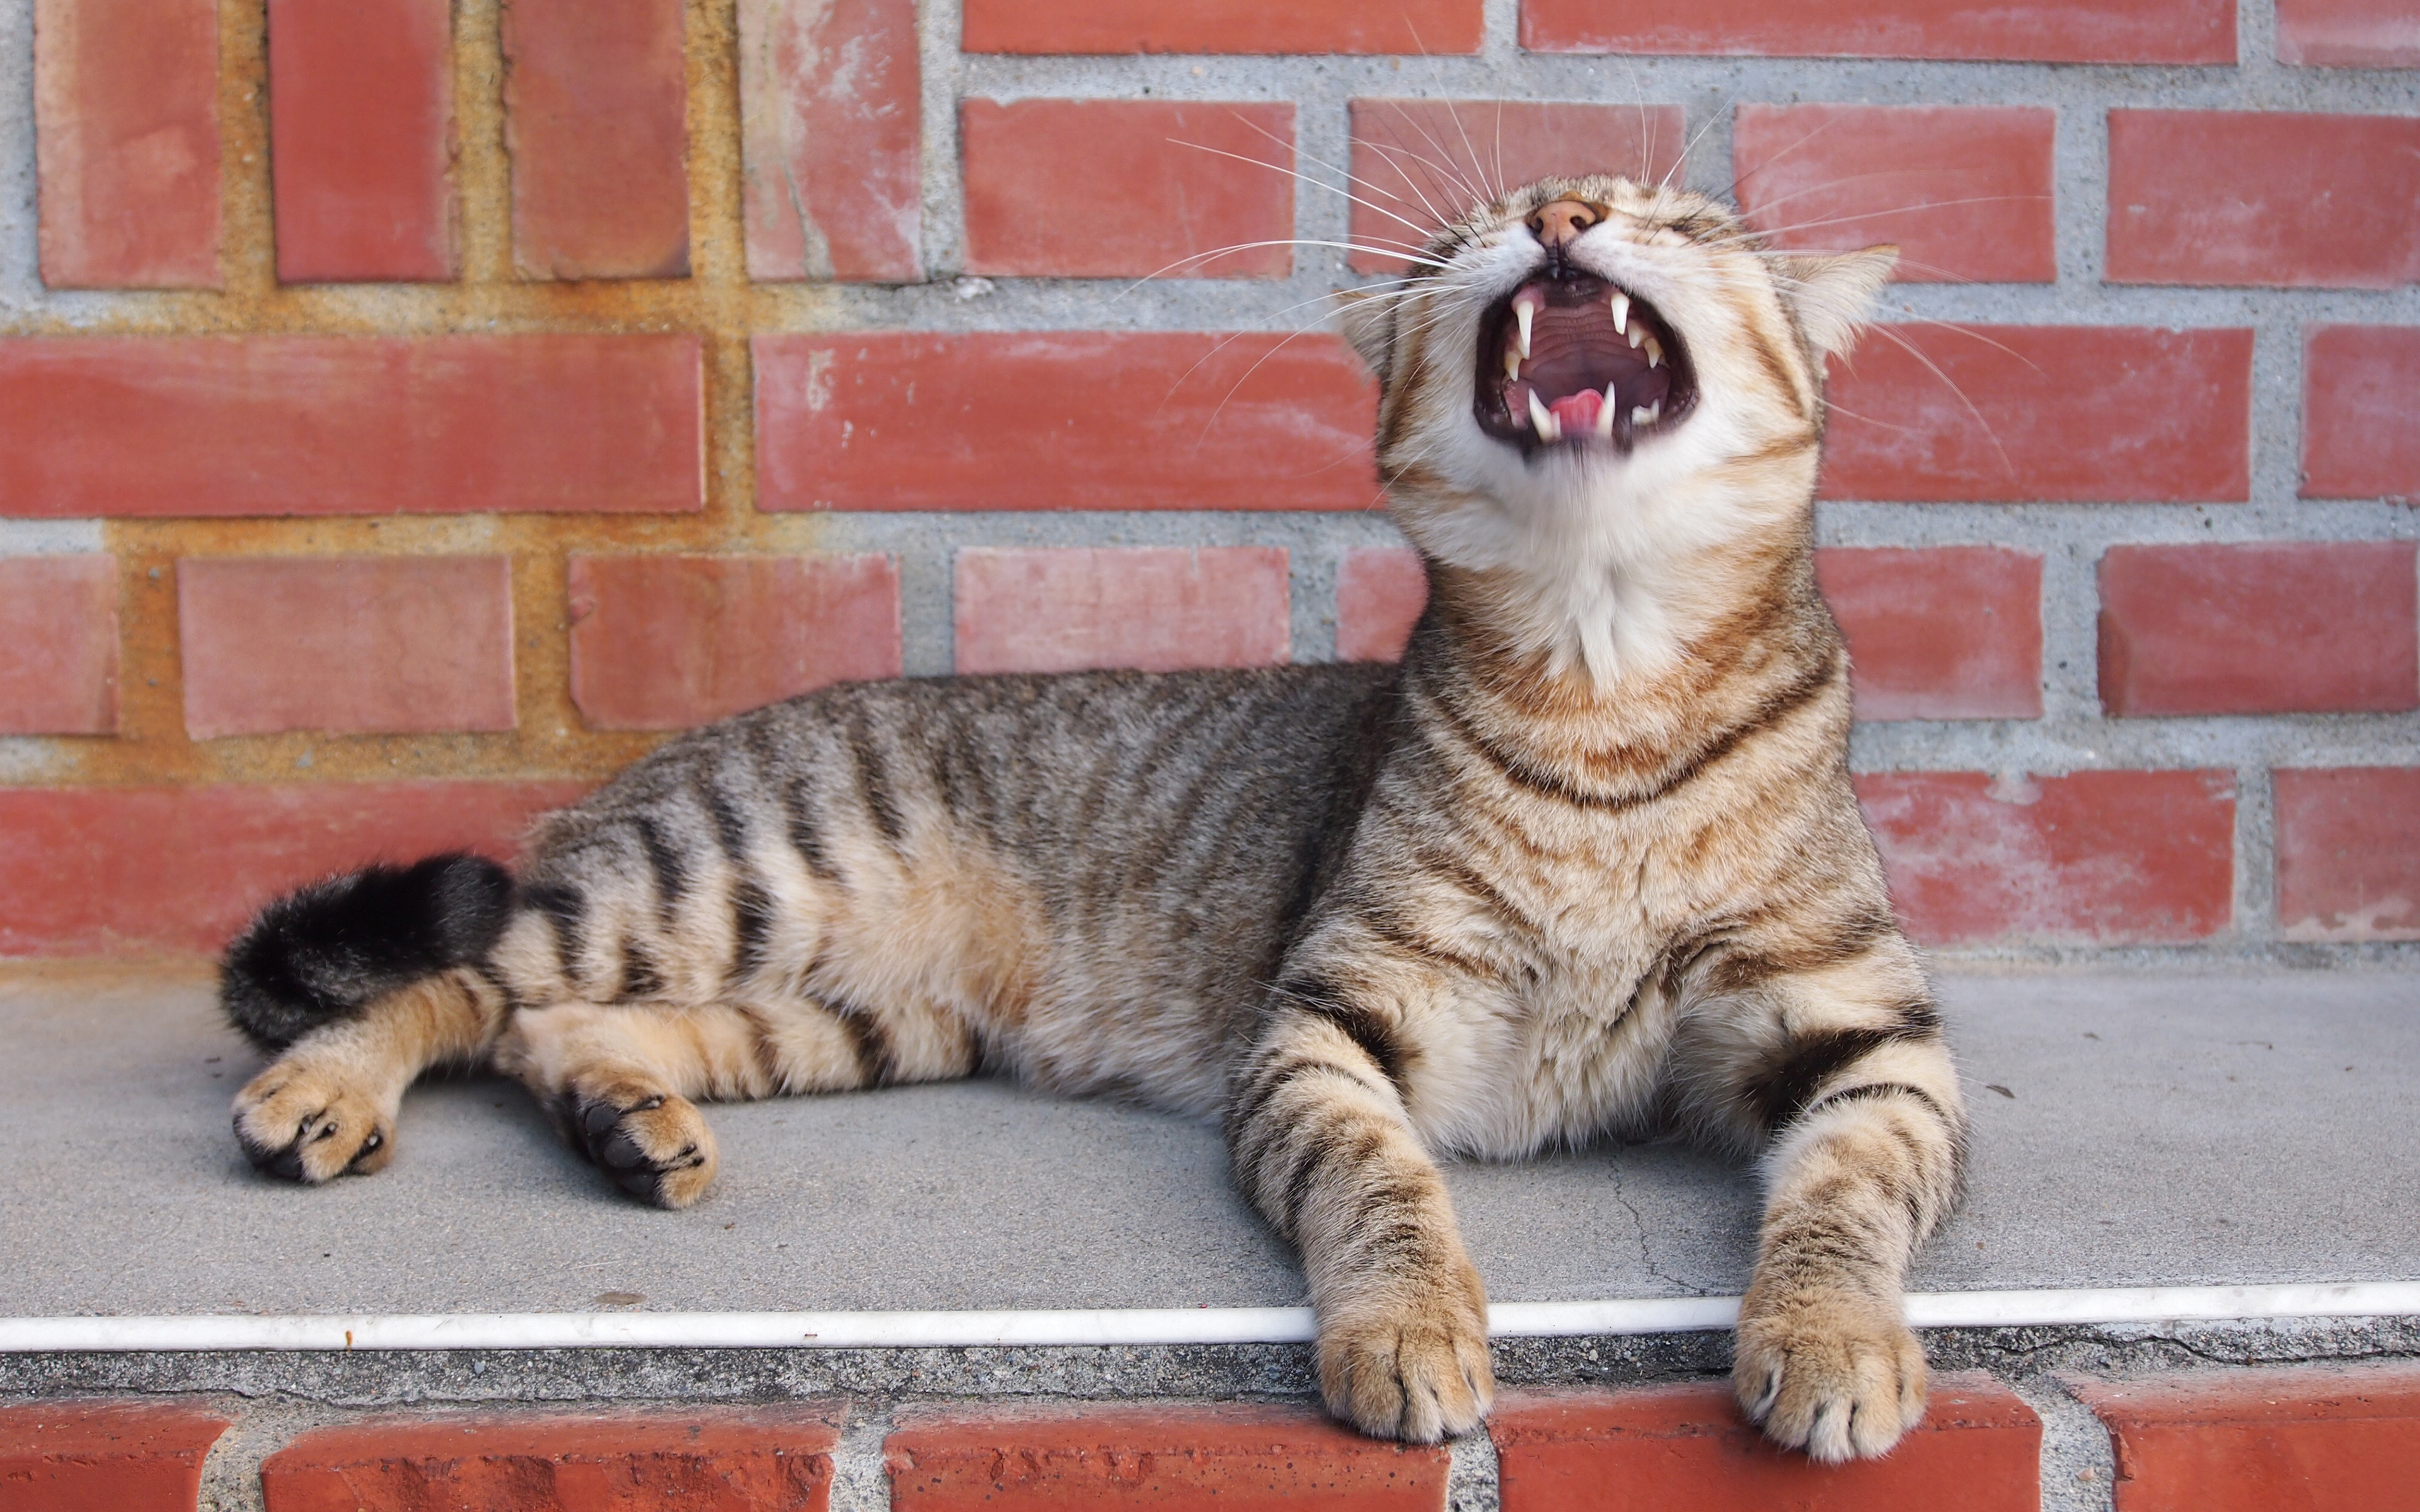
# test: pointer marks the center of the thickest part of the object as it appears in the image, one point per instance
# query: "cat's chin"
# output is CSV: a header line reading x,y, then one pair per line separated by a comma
x,y
1570,362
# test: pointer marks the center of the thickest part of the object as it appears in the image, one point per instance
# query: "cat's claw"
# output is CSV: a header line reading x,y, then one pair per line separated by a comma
x,y
654,1146
307,1124
1835,1373
1417,1371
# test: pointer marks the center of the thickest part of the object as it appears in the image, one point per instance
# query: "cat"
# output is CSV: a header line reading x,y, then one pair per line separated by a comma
x,y
1588,860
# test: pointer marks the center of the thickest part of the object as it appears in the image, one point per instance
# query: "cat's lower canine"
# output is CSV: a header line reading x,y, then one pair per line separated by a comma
x,y
1587,861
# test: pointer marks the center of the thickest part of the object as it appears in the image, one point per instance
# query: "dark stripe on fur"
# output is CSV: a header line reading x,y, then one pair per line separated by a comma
x,y
1866,1089
1362,1024
874,784
641,979
752,919
671,876
805,837
1783,1091
867,1040
566,912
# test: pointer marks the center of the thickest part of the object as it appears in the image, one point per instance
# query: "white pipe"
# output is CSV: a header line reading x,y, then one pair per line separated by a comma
x,y
1141,1326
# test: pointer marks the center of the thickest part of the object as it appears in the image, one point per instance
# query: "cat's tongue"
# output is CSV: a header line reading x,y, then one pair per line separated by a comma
x,y
1577,411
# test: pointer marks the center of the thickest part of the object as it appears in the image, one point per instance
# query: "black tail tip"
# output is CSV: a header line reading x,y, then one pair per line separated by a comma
x,y
322,954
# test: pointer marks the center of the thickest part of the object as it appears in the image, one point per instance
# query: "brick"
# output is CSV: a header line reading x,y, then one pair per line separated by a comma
x,y
1951,632
1223,1457
1380,592
1063,420
595,96
126,137
714,1461
1127,188
1685,1446
2286,1439
214,426
360,132
829,96
58,645
2084,415
2263,198
87,871
664,642
1429,27
73,1455
1427,161
2361,412
351,646
1155,609
2348,34
2091,858
2055,30
2348,853
2277,627
1963,190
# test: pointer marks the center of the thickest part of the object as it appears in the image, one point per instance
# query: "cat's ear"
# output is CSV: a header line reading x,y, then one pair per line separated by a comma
x,y
1366,317
1833,297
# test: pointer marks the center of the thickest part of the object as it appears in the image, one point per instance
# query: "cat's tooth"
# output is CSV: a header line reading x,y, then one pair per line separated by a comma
x,y
1605,413
1543,419
1525,311
1643,416
1654,352
1511,365
1634,335
1621,310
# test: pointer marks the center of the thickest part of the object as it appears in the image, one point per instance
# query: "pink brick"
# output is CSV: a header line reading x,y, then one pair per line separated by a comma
x,y
2361,412
187,425
2348,34
74,1456
828,104
2263,198
376,645
1427,161
594,99
1063,420
179,869
1155,609
2093,859
58,645
664,642
2084,414
360,117
126,135
1951,632
1127,188
2277,627
1963,190
1427,27
1380,592
2052,31
2349,853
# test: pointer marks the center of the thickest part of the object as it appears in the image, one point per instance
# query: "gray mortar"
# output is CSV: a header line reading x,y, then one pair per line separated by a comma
x,y
20,284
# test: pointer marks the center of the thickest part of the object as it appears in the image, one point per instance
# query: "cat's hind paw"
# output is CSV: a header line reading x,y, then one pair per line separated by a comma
x,y
1835,1373
653,1145
312,1123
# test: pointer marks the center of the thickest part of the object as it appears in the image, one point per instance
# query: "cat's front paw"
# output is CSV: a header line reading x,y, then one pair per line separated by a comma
x,y
1835,1373
311,1121
651,1144
1411,1366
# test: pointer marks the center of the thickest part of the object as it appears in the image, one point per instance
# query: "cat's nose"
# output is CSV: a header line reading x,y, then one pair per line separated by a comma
x,y
1559,222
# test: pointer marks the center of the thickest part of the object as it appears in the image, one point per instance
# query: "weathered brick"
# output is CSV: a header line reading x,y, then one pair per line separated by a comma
x,y
1222,1457
2085,414
664,642
360,126
179,869
58,645
1380,592
2091,858
2263,197
2057,31
2348,34
1964,191
1685,1446
829,103
2361,412
373,645
2348,853
1429,27
1062,420
126,138
1156,608
1427,161
1949,632
186,425
594,101
2287,1439
2274,627
1127,188
78,1456
767,1458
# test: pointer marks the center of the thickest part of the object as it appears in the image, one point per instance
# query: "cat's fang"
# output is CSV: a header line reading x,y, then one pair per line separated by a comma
x,y
1604,415
1543,421
1654,352
1620,303
1511,366
1524,311
1634,333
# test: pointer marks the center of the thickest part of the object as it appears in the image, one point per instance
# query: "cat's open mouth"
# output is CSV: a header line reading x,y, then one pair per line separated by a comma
x,y
1575,361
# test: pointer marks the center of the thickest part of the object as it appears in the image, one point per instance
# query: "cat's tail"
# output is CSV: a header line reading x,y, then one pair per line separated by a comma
x,y
323,954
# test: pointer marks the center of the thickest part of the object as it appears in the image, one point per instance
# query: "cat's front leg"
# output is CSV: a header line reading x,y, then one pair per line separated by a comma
x,y
1321,1143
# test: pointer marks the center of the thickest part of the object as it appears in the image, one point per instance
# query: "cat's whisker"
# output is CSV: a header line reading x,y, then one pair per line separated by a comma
x,y
1296,172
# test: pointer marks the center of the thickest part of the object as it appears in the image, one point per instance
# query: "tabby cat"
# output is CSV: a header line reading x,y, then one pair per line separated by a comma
x,y
1586,861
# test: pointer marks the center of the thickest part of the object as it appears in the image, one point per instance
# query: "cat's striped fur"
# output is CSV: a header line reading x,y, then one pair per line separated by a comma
x,y
1588,860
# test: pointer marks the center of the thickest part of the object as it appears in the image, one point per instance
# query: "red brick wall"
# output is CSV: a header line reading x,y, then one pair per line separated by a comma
x,y
410,410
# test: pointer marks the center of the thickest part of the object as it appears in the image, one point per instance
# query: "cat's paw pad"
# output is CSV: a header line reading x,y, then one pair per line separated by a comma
x,y
307,1124
1419,1371
1835,1373
653,1145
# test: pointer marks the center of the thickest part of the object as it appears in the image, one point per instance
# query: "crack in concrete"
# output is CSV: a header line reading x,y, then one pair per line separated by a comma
x,y
1646,1251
